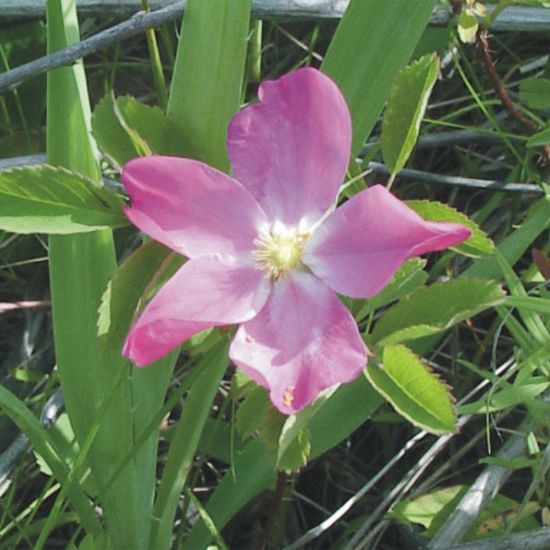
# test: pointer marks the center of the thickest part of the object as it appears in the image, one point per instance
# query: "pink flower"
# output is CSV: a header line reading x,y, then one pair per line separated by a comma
x,y
267,249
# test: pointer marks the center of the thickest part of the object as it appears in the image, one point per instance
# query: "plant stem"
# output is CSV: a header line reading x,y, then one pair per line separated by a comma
x,y
158,75
272,526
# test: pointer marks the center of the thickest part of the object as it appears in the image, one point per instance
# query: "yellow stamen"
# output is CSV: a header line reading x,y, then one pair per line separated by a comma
x,y
279,253
288,396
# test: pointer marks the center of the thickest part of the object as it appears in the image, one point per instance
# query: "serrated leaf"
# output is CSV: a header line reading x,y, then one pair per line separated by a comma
x,y
540,139
413,390
47,199
144,269
535,92
433,309
478,244
125,128
409,276
406,106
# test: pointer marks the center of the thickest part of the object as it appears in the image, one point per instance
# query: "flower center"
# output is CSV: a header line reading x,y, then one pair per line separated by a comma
x,y
279,252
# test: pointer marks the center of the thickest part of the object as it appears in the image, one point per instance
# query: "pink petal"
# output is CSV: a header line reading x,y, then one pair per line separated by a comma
x,y
190,207
359,247
292,149
205,292
302,342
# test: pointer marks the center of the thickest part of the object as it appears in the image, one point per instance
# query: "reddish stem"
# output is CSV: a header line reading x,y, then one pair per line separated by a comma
x,y
482,41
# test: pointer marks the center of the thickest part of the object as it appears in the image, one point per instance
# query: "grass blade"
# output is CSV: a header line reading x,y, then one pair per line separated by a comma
x,y
362,63
208,75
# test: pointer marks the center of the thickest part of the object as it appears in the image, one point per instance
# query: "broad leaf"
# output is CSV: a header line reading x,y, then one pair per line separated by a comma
x,y
413,390
406,106
46,199
478,244
535,92
112,139
435,308
125,129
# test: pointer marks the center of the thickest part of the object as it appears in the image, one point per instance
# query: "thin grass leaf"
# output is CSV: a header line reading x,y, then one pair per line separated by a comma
x,y
185,442
80,267
360,61
52,455
208,76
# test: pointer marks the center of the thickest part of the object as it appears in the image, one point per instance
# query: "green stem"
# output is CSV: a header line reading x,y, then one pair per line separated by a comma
x,y
156,63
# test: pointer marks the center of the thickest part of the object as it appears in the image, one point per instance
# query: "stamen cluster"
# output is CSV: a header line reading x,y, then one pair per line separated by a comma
x,y
279,252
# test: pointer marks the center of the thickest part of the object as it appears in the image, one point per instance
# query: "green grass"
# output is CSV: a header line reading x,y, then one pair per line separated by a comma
x,y
498,351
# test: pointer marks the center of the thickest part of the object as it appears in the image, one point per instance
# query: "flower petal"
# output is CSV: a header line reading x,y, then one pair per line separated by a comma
x,y
205,292
359,247
190,207
302,342
292,149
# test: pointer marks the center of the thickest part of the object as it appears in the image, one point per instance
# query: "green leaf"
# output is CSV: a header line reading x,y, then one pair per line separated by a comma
x,y
46,199
294,442
516,243
525,394
413,390
360,61
250,474
208,76
433,309
478,244
467,27
535,92
252,471
185,441
132,284
147,125
251,411
409,276
95,382
52,455
540,139
406,106
423,509
346,409
112,139
125,129
296,453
